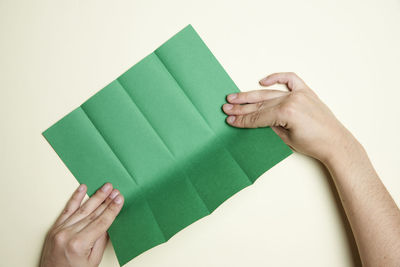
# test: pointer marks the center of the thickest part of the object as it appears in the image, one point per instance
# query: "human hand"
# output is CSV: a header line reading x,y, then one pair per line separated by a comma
x,y
298,116
79,235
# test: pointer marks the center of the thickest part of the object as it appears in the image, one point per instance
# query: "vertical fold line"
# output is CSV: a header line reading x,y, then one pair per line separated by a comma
x,y
148,121
122,164
155,218
179,85
167,148
108,144
201,114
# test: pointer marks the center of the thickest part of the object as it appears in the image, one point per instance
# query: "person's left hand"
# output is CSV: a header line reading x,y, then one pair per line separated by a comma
x,y
79,235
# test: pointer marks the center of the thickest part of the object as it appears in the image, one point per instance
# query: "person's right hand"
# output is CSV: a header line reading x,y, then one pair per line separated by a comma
x,y
303,122
79,235
298,116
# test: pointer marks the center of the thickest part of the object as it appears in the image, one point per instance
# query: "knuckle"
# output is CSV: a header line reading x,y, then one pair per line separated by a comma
x,y
288,109
75,195
239,109
74,245
254,118
260,106
114,210
60,238
239,121
66,210
242,121
92,216
243,96
99,194
240,95
103,221
83,211
236,109
296,97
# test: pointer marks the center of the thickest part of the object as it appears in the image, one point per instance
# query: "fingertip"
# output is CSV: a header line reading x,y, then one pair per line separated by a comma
x,y
107,187
232,97
227,107
264,81
114,193
119,200
230,119
82,188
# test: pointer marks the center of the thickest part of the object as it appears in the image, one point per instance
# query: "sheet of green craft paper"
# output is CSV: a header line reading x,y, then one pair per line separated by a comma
x,y
158,134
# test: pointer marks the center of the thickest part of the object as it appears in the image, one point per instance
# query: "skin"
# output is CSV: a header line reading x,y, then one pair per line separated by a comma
x,y
304,123
298,116
79,235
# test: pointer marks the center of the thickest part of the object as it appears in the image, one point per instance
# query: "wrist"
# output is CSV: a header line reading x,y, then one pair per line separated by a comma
x,y
344,151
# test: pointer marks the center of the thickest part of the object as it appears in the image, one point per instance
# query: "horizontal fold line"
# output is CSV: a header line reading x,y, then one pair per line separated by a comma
x,y
165,145
151,210
201,114
183,171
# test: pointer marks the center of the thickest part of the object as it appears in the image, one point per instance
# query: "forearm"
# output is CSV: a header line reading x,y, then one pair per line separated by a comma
x,y
306,124
372,213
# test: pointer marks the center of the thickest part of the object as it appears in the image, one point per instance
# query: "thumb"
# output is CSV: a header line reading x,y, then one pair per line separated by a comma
x,y
283,134
290,79
98,248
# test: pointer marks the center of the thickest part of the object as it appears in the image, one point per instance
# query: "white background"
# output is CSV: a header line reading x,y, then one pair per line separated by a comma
x,y
56,54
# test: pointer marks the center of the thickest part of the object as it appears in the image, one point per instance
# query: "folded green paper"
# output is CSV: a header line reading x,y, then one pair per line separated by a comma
x,y
157,133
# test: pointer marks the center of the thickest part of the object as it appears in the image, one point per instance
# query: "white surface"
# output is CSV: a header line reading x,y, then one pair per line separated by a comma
x,y
56,54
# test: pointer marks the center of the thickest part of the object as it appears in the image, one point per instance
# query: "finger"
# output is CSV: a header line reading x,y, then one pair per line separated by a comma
x,y
231,109
254,96
90,205
98,249
98,227
72,205
107,202
266,117
292,81
78,226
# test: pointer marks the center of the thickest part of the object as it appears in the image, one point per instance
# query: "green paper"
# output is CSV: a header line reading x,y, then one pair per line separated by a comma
x,y
158,134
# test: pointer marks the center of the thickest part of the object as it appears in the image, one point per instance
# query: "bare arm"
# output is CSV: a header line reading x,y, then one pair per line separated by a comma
x,y
372,213
303,122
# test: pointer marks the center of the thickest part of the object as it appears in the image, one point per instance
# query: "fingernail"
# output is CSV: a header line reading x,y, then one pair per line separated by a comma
x,y
118,200
228,106
231,119
232,96
106,187
81,188
113,194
